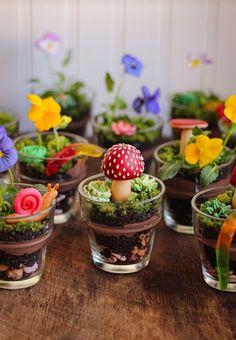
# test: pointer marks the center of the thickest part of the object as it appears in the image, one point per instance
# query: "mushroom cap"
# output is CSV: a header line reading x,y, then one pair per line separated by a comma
x,y
187,123
233,177
122,162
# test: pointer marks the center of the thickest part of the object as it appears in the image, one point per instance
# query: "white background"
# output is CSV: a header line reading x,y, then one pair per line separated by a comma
x,y
159,32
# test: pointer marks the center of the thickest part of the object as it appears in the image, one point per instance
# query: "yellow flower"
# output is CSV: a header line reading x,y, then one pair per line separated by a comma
x,y
230,108
204,150
65,121
44,113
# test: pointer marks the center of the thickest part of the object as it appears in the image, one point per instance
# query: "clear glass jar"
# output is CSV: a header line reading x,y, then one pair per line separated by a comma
x,y
22,253
26,172
121,235
146,140
206,229
181,189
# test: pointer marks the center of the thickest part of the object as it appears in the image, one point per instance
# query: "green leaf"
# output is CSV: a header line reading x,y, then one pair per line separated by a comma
x,y
120,103
169,169
67,59
41,188
109,82
61,76
208,174
33,80
196,131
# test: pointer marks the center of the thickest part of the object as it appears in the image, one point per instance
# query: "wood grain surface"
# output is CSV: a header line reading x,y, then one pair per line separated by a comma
x,y
75,300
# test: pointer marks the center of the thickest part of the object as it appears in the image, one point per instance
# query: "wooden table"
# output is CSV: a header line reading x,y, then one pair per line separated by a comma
x,y
75,300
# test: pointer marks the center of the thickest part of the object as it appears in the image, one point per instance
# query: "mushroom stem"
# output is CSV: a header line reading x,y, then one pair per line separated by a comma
x,y
120,190
184,139
234,199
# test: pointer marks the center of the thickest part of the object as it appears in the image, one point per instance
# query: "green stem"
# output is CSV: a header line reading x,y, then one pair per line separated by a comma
x,y
11,177
118,90
57,138
228,135
40,141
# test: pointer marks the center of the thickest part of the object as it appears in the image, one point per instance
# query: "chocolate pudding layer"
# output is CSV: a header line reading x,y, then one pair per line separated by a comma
x,y
124,245
23,259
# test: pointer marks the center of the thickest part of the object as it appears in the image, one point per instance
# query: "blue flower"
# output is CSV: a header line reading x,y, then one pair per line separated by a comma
x,y
149,101
132,65
8,155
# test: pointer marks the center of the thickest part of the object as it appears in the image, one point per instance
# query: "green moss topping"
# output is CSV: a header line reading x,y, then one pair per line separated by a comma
x,y
117,214
21,227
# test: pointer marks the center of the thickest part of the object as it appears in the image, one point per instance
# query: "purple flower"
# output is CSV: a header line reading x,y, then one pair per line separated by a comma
x,y
132,65
149,101
8,155
194,61
48,43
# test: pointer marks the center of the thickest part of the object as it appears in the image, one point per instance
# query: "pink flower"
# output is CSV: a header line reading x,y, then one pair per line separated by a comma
x,y
123,128
48,43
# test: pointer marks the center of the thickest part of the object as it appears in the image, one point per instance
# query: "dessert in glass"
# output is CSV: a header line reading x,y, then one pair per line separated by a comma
x,y
121,208
214,219
26,222
140,125
53,157
189,165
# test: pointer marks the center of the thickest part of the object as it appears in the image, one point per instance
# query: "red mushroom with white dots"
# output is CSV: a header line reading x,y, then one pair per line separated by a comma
x,y
121,163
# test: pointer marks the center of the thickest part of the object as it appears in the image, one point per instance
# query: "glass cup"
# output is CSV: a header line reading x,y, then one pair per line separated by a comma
x,y
206,229
181,189
27,172
145,140
121,235
23,249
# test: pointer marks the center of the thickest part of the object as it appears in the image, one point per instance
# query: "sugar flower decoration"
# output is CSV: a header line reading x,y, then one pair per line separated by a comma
x,y
27,201
203,151
48,43
44,113
8,155
149,101
230,108
132,65
123,128
194,61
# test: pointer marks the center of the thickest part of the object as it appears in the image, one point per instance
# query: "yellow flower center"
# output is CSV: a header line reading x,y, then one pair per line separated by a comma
x,y
1,154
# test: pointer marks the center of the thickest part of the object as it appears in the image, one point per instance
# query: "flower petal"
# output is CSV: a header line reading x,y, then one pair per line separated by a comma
x,y
202,141
230,108
152,106
137,104
145,91
192,153
35,100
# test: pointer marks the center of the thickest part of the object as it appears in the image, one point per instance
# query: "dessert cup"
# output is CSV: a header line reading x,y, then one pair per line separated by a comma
x,y
27,172
181,189
23,247
206,229
146,140
121,235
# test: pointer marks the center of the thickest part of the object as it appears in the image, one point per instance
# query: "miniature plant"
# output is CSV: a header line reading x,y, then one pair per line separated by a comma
x,y
68,95
202,154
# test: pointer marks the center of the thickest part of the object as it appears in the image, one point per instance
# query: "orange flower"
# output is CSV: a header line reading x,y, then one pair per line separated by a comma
x,y
204,150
